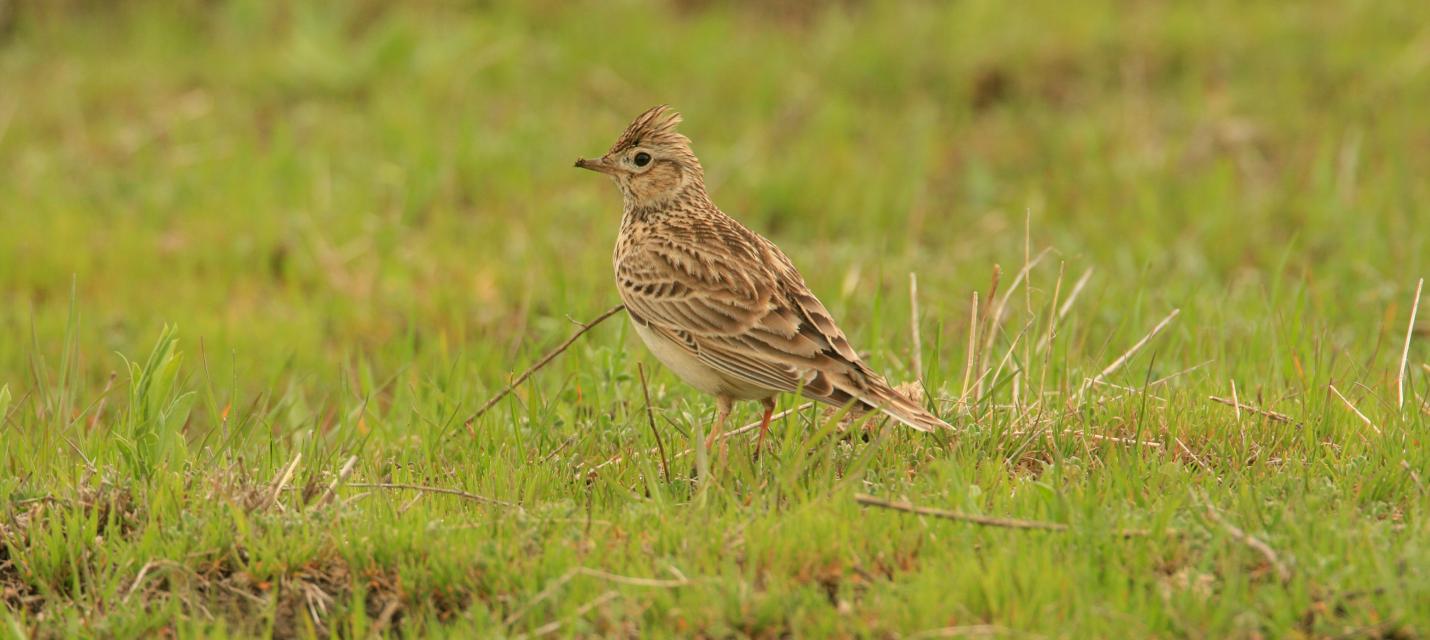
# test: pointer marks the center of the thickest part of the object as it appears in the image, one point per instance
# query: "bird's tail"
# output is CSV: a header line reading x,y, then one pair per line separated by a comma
x,y
900,407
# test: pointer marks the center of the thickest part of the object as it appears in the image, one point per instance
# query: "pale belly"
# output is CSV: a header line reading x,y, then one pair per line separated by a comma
x,y
694,372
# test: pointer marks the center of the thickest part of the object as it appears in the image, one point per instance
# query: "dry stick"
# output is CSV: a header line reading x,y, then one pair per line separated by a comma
x,y
1121,360
1405,353
1117,439
139,579
650,415
558,449
451,492
1283,572
986,521
1048,433
656,583
1185,449
1236,404
914,327
1405,464
346,471
283,480
1267,413
1353,408
546,359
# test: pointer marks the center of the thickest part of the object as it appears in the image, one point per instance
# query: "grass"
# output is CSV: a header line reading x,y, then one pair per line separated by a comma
x,y
248,246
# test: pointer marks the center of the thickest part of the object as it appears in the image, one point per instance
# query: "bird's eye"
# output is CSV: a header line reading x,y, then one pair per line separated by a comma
x,y
642,159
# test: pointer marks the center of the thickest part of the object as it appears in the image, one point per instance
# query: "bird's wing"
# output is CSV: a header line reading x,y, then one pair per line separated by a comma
x,y
716,301
736,302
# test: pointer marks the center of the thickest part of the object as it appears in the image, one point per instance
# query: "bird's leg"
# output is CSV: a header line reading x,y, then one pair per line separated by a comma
x,y
765,424
722,411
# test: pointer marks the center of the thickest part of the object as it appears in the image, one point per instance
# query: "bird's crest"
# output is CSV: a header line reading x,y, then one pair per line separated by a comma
x,y
655,127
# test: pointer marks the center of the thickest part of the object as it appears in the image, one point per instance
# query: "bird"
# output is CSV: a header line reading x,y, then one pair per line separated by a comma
x,y
718,304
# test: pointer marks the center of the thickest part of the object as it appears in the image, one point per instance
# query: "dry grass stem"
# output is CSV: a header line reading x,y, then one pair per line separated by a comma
x,y
1405,352
1354,410
972,353
1266,413
332,489
1122,360
1200,463
650,416
986,521
545,359
283,480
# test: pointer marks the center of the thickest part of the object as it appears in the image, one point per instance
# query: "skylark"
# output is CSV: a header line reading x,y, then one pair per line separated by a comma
x,y
718,304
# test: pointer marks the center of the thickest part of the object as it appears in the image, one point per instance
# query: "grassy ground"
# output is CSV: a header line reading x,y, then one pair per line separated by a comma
x,y
245,246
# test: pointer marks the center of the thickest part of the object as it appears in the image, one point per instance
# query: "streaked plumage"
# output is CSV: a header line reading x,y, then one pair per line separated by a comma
x,y
718,304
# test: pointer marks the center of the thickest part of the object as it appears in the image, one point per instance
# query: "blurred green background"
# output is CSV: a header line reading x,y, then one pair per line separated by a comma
x,y
301,180
362,219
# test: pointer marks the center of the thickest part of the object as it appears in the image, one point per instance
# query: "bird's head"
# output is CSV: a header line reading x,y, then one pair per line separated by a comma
x,y
650,162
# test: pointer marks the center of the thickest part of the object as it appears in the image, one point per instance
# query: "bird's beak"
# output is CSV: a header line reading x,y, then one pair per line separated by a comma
x,y
598,165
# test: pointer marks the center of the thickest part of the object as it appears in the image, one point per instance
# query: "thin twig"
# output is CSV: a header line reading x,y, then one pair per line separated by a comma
x,y
283,480
1283,572
1405,464
650,415
1049,433
1121,360
550,355
139,579
986,521
1353,408
1185,449
558,449
1236,404
332,490
1267,413
451,492
633,581
1405,353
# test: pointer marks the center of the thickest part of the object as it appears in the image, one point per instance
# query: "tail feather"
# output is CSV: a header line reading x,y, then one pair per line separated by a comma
x,y
899,407
871,392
